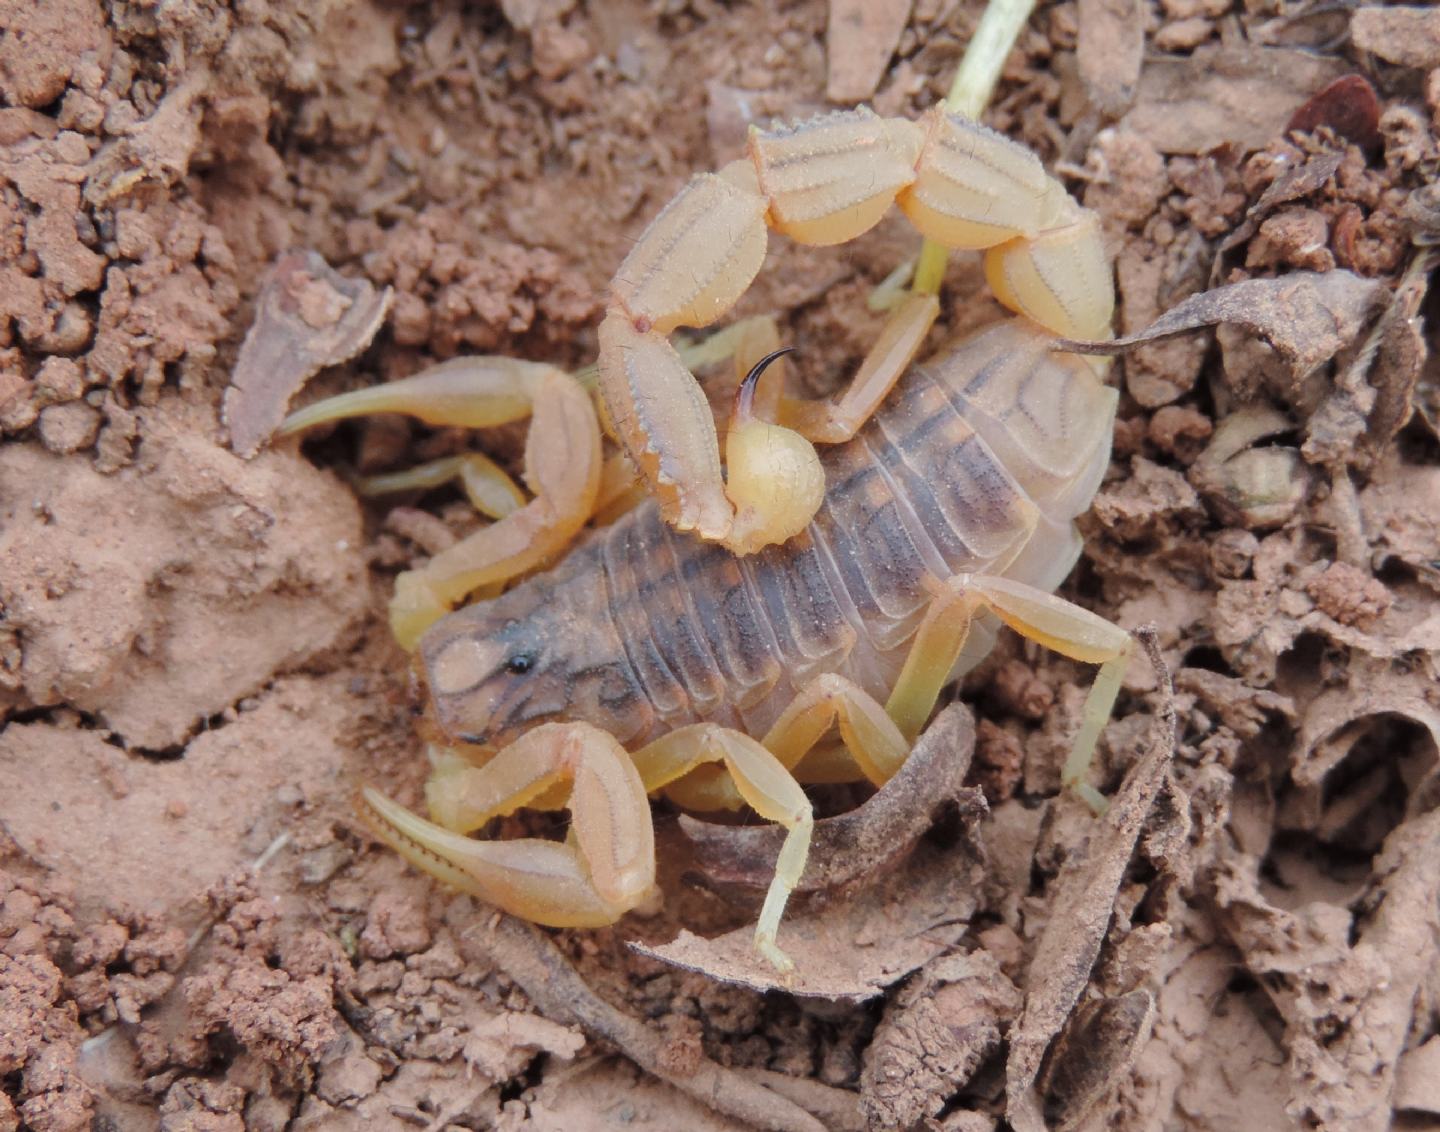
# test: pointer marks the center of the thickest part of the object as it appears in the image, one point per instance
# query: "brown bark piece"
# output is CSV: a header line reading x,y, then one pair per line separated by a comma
x,y
852,948
1307,317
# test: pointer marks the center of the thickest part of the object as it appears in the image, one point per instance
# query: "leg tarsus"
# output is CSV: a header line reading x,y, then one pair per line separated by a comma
x,y
562,469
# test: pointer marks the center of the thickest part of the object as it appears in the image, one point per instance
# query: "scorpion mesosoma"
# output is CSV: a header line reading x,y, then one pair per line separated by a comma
x,y
649,659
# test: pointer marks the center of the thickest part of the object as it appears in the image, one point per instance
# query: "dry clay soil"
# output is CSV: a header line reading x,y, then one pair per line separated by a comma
x,y
196,674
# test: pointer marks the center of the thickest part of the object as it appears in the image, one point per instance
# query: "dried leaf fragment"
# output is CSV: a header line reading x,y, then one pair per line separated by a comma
x,y
1083,906
1349,106
1237,94
308,317
1307,317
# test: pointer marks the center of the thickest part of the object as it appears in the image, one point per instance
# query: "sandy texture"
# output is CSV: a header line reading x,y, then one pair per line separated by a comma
x,y
195,671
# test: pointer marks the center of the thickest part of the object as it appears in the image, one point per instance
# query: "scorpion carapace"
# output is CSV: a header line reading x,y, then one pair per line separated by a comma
x,y
955,500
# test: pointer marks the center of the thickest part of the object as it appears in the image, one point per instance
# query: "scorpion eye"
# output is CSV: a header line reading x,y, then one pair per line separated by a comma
x,y
520,663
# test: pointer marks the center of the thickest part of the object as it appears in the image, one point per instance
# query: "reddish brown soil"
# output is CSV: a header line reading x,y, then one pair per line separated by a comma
x,y
195,671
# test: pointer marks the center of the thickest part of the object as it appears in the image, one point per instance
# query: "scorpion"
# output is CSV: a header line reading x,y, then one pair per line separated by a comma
x,y
707,642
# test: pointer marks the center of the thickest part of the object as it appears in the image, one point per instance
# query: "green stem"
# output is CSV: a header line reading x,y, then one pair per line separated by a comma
x,y
970,91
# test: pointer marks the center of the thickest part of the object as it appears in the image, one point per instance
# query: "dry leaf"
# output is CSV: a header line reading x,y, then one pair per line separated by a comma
x,y
1295,182
1307,317
307,317
863,940
1349,106
1081,911
1232,94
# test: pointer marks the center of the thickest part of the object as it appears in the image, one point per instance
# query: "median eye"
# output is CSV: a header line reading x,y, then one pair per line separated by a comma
x,y
520,663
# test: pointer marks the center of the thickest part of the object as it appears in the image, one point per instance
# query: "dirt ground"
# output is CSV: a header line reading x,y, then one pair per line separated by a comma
x,y
196,673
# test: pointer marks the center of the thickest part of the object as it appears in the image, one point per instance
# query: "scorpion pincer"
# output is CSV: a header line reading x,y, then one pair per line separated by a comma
x,y
656,656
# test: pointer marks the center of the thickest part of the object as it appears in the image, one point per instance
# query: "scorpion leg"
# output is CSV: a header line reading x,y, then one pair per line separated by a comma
x,y
761,774
765,784
562,468
488,486
870,735
834,422
1049,620
605,868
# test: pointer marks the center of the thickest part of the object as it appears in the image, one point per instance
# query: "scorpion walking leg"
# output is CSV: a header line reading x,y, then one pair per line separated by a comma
x,y
870,735
562,467
765,784
605,868
1053,622
834,422
761,773
488,486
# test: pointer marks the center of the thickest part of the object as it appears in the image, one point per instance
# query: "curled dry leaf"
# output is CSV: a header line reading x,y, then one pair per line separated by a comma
x,y
935,1034
1096,1050
307,317
1081,911
1307,317
855,946
1372,395
1295,182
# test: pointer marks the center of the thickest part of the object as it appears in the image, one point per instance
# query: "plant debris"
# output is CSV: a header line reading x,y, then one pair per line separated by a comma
x,y
308,317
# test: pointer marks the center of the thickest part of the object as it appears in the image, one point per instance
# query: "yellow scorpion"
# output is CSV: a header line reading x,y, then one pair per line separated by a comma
x,y
708,640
